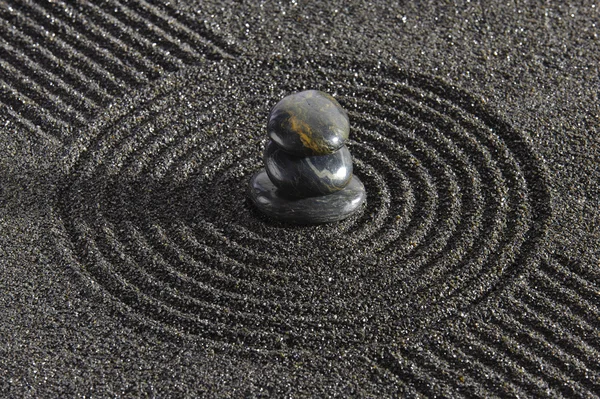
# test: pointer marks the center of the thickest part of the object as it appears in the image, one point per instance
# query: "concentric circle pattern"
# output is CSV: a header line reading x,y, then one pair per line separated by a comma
x,y
156,210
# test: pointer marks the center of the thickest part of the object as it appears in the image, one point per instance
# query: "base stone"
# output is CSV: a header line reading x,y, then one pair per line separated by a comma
x,y
310,210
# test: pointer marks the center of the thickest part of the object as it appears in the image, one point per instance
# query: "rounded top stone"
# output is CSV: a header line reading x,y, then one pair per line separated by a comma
x,y
310,122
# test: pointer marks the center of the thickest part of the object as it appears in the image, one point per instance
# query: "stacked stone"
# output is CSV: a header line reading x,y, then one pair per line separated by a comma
x,y
307,162
307,155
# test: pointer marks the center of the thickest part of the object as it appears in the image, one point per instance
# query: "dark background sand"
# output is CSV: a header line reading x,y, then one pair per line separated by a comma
x,y
149,275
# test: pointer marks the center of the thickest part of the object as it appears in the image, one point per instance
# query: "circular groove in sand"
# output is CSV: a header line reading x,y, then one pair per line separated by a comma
x,y
448,213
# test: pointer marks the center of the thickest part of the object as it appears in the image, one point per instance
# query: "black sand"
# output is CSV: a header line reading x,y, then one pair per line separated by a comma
x,y
132,264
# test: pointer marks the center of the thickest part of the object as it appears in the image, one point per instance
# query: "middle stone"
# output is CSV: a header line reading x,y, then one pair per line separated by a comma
x,y
305,176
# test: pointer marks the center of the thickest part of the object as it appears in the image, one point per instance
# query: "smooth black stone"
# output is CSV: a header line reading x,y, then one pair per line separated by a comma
x,y
309,123
311,210
310,175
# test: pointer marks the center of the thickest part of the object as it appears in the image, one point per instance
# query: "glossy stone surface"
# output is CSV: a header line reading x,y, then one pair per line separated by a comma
x,y
308,176
309,123
310,210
